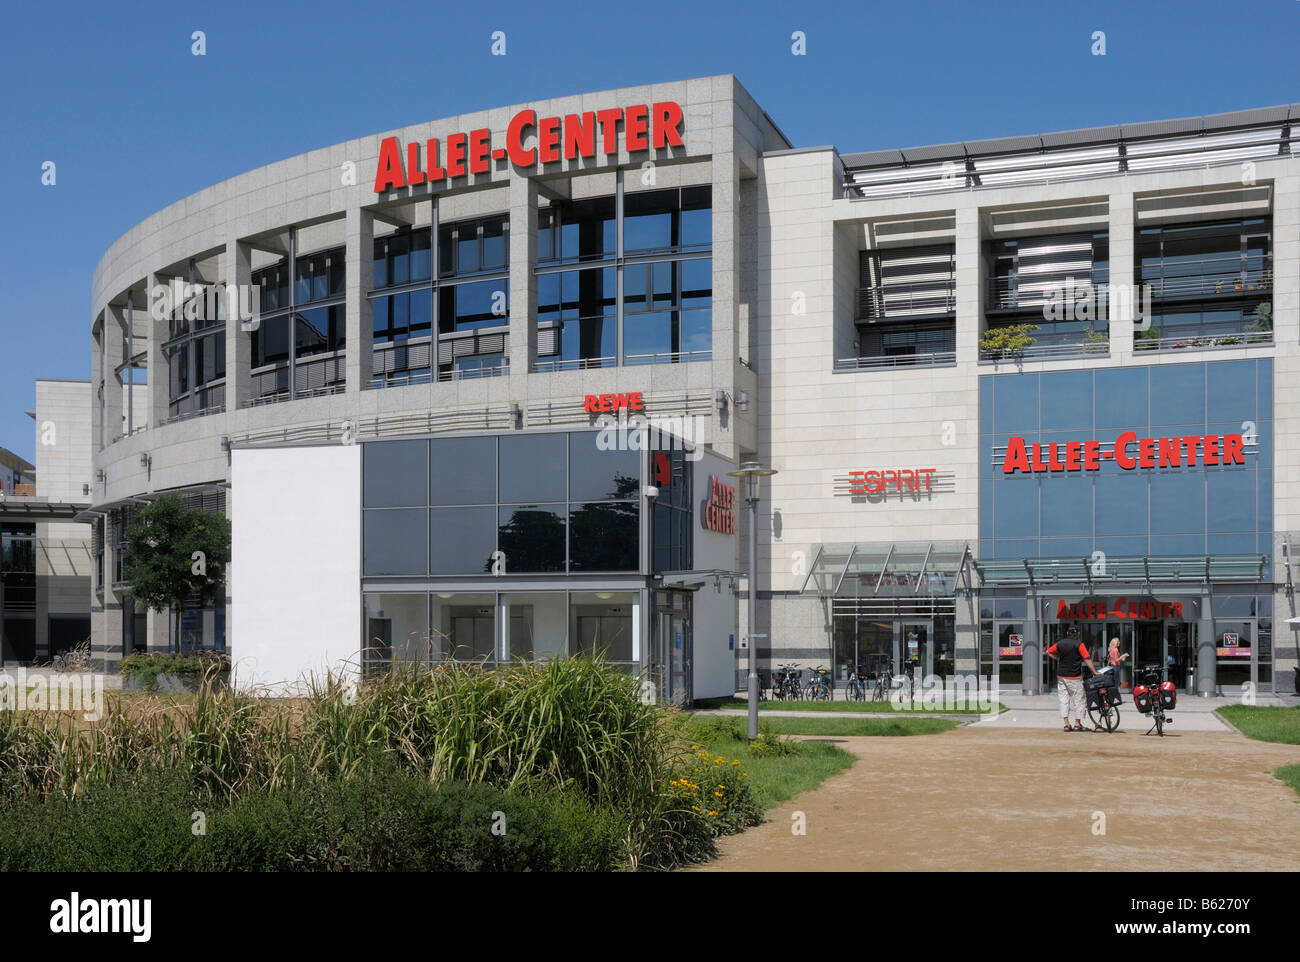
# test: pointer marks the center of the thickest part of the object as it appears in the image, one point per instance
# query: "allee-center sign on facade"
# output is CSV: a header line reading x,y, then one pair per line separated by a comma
x,y
530,141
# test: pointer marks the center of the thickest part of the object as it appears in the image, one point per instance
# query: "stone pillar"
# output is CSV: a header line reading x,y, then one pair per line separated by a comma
x,y
1124,299
360,316
158,379
114,354
969,283
725,188
523,282
1206,669
238,271
1032,659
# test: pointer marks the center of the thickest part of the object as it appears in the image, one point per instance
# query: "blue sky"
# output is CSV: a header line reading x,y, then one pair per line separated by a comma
x,y
112,94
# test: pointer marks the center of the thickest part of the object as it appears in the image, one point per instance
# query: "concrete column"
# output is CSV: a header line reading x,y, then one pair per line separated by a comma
x,y
969,283
1032,659
1206,669
966,629
159,377
1121,304
360,316
237,267
114,354
523,282
98,418
725,187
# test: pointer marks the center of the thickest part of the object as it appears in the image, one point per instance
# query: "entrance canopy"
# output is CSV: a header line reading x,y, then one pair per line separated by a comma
x,y
1101,571
912,574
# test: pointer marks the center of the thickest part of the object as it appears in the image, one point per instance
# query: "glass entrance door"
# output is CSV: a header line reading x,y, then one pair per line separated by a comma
x,y
1009,639
1149,645
673,644
914,652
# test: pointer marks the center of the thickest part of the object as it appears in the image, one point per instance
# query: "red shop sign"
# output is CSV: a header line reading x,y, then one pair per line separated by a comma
x,y
596,403
1129,452
719,512
1121,610
889,479
530,141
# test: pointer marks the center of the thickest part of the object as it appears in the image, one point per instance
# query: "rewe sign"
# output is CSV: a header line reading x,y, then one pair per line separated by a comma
x,y
530,141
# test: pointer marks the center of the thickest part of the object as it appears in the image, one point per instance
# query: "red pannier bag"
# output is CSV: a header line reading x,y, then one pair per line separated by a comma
x,y
1168,696
1142,698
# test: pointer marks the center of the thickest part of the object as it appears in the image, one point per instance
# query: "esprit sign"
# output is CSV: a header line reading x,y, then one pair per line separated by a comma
x,y
1129,452
720,509
1121,609
603,403
889,479
530,141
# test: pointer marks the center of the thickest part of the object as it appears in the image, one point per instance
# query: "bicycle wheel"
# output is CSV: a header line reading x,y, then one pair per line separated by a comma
x,y
1112,718
1160,723
1098,718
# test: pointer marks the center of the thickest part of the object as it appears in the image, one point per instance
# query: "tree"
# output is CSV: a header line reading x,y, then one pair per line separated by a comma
x,y
175,554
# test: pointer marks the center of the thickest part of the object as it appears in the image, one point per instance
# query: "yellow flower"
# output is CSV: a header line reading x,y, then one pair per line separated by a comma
x,y
723,787
696,807
719,794
713,813
736,762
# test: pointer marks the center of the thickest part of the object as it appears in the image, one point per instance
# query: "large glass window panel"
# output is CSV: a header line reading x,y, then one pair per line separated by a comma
x,y
1231,386
697,282
1120,397
696,331
595,474
395,541
1178,502
270,342
604,536
464,471
532,537
1066,505
461,540
464,307
395,473
1178,394
319,330
1066,400
464,625
648,220
397,629
1230,500
601,624
1121,504
419,258
648,337
537,624
494,245
532,468
587,229
1015,508
697,217
1015,403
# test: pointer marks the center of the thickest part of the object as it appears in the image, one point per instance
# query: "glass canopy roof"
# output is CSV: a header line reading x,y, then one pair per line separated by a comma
x,y
921,569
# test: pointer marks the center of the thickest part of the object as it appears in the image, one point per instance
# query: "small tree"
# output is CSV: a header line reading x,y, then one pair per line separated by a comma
x,y
1009,340
176,553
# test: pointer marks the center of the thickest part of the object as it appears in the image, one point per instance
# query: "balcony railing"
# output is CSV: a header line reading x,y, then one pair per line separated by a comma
x,y
904,300
575,364
1034,291
894,361
1225,276
1046,352
668,357
1183,342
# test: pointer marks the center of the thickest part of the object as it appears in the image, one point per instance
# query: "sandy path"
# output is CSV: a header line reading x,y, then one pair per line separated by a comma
x,y
989,799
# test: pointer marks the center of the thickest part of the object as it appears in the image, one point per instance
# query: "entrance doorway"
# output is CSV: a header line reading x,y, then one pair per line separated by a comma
x,y
673,646
915,651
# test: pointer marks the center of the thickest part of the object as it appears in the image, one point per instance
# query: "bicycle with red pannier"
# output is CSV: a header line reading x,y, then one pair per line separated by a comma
x,y
1154,695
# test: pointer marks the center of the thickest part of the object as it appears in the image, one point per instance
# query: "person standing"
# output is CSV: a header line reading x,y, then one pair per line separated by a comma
x,y
1072,657
1115,659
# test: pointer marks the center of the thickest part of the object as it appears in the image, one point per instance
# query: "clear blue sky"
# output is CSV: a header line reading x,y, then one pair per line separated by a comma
x,y
112,94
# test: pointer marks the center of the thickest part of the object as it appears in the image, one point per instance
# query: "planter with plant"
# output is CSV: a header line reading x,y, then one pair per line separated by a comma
x,y
1096,341
1007,341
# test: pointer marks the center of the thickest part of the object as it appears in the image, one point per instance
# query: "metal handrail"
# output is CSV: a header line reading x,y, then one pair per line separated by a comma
x,y
671,357
577,364
931,359
1226,276
1046,352
1177,342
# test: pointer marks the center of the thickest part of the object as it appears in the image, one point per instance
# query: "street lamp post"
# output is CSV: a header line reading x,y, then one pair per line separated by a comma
x,y
750,472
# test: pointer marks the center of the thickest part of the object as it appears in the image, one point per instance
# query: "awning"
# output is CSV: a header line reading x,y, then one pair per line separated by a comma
x,y
91,513
1101,571
901,570
694,580
39,509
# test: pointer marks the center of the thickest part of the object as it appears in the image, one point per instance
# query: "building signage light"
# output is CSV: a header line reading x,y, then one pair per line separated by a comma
x,y
1129,452
601,403
1122,610
530,141
719,512
889,479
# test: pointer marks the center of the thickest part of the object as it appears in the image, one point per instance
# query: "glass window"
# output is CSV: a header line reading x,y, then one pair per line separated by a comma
x,y
1232,391
1121,504
1121,397
532,468
464,626
1067,400
464,307
270,342
1066,505
648,220
1230,500
585,229
395,473
532,537
604,536
1015,508
537,624
462,540
397,630
464,471
1015,403
596,475
1177,503
1178,394
601,624
395,542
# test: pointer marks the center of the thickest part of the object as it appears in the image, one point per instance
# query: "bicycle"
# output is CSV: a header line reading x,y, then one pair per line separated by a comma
x,y
786,683
1154,696
1103,702
819,688
856,691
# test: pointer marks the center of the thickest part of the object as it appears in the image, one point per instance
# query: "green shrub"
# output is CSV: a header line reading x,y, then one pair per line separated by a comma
x,y
193,667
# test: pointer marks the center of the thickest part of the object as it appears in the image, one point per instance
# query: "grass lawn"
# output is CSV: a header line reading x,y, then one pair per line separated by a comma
x,y
871,707
1291,775
1265,724
775,778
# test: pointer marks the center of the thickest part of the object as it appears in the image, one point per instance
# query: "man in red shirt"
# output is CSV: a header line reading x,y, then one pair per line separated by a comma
x,y
1072,657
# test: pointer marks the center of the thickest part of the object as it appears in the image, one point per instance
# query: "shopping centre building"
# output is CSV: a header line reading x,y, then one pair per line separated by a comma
x,y
1007,385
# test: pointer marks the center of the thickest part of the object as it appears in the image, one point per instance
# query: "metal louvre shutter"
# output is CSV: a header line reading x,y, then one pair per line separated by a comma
x,y
906,281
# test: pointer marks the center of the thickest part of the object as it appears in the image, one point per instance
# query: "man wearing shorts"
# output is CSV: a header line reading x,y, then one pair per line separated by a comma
x,y
1072,657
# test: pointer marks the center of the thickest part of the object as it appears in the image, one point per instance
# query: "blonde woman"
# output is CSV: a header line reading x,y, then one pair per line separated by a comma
x,y
1115,658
